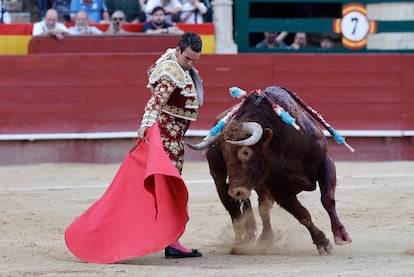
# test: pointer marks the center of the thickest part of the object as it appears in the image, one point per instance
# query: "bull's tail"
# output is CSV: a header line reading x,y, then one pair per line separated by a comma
x,y
337,137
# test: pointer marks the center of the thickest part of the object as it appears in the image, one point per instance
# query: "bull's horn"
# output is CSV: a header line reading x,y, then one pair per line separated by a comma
x,y
206,142
253,128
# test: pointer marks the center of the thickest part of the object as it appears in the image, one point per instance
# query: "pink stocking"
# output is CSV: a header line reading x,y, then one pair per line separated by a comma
x,y
177,245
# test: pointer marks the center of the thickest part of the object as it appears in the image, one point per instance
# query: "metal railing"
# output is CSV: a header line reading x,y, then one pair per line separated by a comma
x,y
254,17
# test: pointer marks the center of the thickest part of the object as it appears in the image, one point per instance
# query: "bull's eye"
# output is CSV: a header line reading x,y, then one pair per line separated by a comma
x,y
244,153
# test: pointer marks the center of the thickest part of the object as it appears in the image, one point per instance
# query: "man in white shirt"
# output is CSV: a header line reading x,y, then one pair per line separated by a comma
x,y
172,9
4,15
50,26
192,12
81,25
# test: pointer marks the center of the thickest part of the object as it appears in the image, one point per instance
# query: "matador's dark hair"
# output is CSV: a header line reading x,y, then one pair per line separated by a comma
x,y
191,40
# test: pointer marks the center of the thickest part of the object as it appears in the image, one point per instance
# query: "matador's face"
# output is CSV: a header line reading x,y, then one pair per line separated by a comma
x,y
187,58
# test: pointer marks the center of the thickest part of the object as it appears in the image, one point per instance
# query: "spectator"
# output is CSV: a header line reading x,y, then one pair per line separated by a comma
x,y
271,40
4,15
63,9
50,26
96,9
131,8
172,9
327,42
117,24
81,25
158,25
193,12
300,41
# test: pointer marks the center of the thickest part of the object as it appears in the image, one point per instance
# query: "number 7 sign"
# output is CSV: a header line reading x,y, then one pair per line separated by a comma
x,y
354,26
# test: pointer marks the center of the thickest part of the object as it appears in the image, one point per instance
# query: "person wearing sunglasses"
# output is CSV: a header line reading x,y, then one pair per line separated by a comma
x,y
117,23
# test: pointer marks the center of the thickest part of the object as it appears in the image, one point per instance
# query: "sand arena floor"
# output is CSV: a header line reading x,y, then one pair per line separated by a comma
x,y
374,201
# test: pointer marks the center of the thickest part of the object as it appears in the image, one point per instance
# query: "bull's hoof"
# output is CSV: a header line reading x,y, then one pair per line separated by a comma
x,y
248,240
341,236
325,250
266,238
235,251
342,240
241,249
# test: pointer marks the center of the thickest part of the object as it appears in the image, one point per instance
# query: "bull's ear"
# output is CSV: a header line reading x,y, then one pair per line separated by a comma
x,y
266,138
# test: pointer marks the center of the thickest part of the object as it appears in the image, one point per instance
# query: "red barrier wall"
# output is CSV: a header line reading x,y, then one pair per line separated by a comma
x,y
49,93
133,43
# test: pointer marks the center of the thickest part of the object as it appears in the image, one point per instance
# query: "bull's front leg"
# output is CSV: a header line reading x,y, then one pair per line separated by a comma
x,y
249,222
327,184
240,212
244,228
265,205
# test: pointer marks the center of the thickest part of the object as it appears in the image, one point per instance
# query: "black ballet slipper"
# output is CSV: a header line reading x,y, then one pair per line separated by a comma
x,y
172,253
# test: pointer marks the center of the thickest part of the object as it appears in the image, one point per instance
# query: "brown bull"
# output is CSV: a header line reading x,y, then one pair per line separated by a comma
x,y
257,151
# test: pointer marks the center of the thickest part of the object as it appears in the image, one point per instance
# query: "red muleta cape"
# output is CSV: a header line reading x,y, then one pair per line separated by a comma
x,y
143,210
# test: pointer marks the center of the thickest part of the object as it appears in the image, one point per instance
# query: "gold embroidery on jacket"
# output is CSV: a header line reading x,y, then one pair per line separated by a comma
x,y
172,70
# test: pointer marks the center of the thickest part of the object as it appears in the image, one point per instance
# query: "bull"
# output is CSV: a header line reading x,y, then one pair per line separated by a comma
x,y
256,150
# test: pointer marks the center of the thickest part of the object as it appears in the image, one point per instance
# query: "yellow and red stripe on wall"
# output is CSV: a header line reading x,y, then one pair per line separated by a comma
x,y
14,38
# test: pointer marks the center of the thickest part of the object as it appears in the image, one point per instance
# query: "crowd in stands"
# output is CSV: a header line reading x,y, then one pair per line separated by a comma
x,y
100,11
157,17
60,18
274,40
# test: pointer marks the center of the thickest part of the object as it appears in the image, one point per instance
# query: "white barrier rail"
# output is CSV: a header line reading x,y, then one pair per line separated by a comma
x,y
190,133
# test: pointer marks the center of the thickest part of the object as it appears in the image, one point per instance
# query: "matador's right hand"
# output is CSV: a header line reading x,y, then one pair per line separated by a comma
x,y
140,135
141,132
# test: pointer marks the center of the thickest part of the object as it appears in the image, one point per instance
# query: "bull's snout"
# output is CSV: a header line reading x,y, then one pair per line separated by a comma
x,y
240,193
